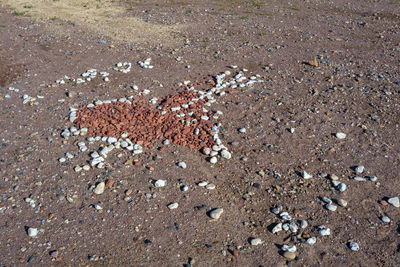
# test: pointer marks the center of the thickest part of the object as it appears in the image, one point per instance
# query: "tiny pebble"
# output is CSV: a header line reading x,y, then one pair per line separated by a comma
x,y
306,175
160,183
99,189
359,169
303,224
342,202
291,248
311,240
385,219
256,241
32,232
340,135
202,184
210,186
289,255
322,230
394,201
277,228
242,130
182,164
216,213
173,206
213,160
354,246
331,207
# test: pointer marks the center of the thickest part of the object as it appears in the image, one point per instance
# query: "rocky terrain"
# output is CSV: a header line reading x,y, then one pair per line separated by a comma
x,y
188,133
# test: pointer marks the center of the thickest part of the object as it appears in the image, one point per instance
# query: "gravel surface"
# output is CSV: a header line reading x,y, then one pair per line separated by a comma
x,y
250,133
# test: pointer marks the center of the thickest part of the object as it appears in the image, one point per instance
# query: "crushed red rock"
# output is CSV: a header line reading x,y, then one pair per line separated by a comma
x,y
143,123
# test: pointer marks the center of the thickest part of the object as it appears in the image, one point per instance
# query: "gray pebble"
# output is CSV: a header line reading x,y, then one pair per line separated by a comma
x,y
385,219
354,246
359,169
394,201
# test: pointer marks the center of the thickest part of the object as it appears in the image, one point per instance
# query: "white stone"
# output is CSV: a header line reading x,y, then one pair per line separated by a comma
x,y
322,230
311,240
256,241
291,248
210,186
32,232
285,216
277,228
226,154
306,175
385,219
99,189
202,184
340,135
242,130
360,179
173,206
182,164
160,183
216,213
359,169
303,224
213,160
394,201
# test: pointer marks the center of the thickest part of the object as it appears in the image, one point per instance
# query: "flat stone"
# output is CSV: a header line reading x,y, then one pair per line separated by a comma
x,y
323,230
289,255
216,213
226,154
331,207
182,165
210,186
311,240
173,206
99,189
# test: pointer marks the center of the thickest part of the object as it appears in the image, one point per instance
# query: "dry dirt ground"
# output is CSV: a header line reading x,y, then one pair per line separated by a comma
x,y
327,66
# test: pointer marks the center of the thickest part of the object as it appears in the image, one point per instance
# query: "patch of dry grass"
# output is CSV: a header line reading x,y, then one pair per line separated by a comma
x,y
102,16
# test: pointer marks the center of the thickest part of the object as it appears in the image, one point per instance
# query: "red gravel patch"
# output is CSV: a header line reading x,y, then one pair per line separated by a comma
x,y
144,123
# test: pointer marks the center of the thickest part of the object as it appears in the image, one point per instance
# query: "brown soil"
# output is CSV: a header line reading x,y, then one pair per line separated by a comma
x,y
328,67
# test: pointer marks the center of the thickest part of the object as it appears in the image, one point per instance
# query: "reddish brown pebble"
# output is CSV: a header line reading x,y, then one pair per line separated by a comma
x,y
110,183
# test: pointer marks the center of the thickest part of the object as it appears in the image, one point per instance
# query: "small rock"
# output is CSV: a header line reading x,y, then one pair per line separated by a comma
x,y
289,255
202,184
54,253
285,216
303,224
226,154
256,241
326,200
32,232
216,213
160,183
342,202
340,135
213,160
333,177
372,178
354,246
306,175
277,228
323,230
331,207
242,130
341,187
291,248
99,189
311,240
184,188
385,219
182,165
210,186
359,169
173,206
360,179
394,201
276,209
